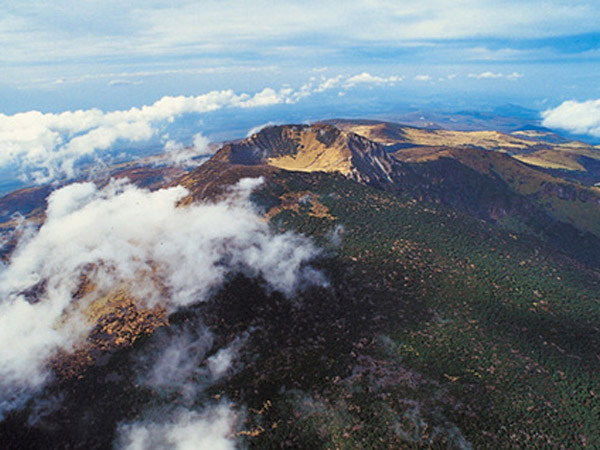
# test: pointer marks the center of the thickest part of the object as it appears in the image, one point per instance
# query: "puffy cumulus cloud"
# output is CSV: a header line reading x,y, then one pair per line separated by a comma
x,y
344,82
329,83
123,237
575,117
211,429
266,97
49,146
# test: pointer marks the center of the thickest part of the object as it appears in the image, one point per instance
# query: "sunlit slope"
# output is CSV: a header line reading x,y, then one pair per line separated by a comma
x,y
116,320
303,148
538,148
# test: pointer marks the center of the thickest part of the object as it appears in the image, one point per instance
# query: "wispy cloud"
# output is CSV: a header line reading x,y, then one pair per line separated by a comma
x,y
211,429
485,75
514,76
133,77
178,154
489,75
423,78
119,83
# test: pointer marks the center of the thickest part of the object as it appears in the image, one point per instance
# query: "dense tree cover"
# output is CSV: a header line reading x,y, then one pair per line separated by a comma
x,y
505,327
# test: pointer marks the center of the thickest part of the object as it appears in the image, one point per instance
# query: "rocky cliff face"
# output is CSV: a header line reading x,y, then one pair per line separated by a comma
x,y
317,148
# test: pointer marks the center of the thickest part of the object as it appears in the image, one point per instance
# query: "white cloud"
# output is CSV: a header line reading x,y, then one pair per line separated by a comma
x,y
489,75
123,82
49,146
575,117
482,53
187,156
485,75
132,77
266,97
423,78
176,362
367,78
329,83
258,128
514,76
212,429
123,236
176,365
317,86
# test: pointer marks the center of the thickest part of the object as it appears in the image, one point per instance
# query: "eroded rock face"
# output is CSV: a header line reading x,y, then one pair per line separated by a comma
x,y
316,148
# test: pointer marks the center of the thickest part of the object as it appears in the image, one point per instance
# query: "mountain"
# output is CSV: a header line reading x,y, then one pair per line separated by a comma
x,y
473,172
461,305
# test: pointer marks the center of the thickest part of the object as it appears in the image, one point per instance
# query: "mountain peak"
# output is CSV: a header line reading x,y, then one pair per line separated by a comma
x,y
312,148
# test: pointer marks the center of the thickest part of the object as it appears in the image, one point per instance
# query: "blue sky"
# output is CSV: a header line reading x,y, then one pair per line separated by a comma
x,y
314,59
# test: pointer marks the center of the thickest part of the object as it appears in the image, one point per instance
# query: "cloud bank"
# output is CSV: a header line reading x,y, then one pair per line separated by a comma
x,y
575,117
48,146
123,237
